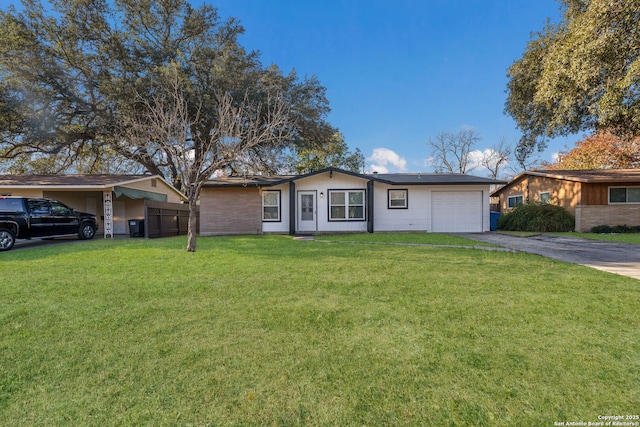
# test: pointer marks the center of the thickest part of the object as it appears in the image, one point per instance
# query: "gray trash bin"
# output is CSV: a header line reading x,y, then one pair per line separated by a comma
x,y
136,228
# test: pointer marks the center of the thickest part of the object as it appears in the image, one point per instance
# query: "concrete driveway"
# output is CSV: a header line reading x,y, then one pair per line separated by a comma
x,y
619,258
37,243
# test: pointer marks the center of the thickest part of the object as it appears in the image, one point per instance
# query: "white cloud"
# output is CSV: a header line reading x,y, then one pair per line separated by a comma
x,y
474,164
474,160
384,160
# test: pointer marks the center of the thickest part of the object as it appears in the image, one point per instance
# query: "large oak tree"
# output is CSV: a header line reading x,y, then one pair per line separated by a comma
x,y
73,71
580,75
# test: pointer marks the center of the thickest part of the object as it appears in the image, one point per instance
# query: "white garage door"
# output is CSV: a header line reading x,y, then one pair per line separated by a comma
x,y
456,211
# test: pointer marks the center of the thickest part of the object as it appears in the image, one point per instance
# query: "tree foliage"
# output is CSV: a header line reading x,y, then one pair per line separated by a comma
x,y
582,74
335,154
71,78
600,151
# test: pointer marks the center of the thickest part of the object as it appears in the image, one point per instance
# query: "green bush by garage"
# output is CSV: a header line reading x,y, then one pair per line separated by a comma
x,y
543,217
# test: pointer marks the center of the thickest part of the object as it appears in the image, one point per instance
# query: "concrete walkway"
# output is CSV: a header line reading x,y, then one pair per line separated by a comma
x,y
619,258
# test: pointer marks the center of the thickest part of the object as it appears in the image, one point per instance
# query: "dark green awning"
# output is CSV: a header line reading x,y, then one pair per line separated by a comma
x,y
139,194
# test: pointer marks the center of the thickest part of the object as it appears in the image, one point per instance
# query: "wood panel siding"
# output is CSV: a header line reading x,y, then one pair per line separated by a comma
x,y
235,210
598,193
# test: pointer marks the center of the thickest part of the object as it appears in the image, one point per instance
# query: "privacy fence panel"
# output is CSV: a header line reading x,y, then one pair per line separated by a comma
x,y
165,219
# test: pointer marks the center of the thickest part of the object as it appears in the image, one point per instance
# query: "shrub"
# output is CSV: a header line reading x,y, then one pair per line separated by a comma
x,y
619,229
602,229
537,217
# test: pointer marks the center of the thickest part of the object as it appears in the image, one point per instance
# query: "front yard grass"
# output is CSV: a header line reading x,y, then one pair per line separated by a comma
x,y
418,238
266,330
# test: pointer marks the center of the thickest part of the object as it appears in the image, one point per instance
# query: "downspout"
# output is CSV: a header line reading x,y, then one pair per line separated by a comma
x,y
292,208
370,206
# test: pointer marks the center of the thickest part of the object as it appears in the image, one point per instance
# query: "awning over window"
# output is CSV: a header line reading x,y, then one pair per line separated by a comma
x,y
139,194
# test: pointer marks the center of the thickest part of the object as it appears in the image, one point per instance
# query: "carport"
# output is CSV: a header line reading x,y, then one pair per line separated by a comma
x,y
114,199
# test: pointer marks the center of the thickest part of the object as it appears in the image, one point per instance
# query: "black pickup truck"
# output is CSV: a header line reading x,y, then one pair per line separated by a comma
x,y
27,218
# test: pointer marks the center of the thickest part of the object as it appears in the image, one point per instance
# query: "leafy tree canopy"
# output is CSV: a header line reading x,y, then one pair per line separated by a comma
x,y
601,151
70,78
582,74
335,153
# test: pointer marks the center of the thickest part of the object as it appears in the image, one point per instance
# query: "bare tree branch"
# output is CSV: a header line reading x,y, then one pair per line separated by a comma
x,y
165,127
450,151
496,157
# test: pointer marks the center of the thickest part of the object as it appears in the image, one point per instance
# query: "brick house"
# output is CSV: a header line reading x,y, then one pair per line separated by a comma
x,y
593,197
334,200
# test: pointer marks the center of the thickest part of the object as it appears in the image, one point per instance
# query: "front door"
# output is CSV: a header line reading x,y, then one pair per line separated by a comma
x,y
307,211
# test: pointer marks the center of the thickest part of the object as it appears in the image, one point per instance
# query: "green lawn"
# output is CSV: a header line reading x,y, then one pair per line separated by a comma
x,y
270,331
417,238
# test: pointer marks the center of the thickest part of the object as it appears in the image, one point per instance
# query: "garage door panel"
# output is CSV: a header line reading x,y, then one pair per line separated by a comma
x,y
456,211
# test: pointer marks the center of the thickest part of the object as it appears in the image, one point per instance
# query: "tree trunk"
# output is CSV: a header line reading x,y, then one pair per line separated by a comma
x,y
192,230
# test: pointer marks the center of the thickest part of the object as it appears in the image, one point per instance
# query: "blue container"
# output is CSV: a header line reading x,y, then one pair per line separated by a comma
x,y
493,222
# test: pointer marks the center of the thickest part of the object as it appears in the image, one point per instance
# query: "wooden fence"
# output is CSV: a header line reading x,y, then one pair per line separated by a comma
x,y
164,219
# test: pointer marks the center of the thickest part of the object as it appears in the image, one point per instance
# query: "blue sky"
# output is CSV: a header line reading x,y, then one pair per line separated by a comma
x,y
398,72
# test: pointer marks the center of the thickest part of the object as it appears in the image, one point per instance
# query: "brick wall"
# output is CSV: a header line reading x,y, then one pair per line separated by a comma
x,y
230,211
591,215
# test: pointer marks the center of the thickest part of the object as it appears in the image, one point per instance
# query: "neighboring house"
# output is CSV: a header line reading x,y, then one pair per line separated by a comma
x,y
594,197
334,200
114,199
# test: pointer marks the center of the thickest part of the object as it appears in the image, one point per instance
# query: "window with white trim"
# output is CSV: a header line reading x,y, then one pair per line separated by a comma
x,y
271,205
346,205
514,201
397,199
544,197
624,194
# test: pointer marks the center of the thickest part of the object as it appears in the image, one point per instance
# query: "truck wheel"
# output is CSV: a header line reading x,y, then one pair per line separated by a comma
x,y
86,231
7,239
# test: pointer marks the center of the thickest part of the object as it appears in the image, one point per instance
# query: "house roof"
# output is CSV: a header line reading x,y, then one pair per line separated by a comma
x,y
596,175
69,180
432,179
248,181
393,179
99,181
585,176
